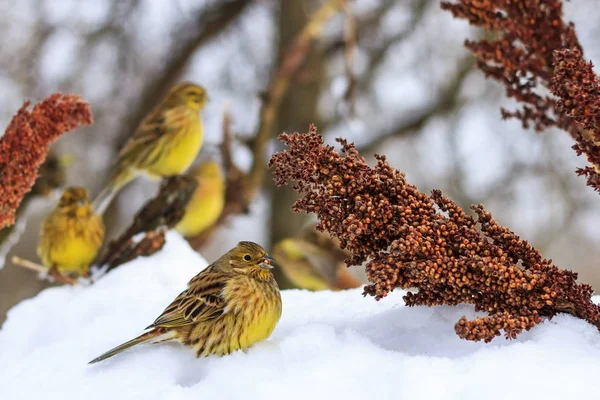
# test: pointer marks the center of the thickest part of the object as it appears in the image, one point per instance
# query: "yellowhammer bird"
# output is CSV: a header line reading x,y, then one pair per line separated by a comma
x,y
71,236
314,262
231,305
206,205
165,144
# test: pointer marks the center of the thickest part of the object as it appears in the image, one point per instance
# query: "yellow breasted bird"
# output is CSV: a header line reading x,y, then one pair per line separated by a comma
x,y
71,236
314,262
231,305
165,144
208,201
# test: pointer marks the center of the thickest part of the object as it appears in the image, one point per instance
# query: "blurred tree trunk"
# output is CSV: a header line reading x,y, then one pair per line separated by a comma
x,y
297,111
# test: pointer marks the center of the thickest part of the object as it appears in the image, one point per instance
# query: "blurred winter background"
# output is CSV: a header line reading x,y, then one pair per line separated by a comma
x,y
418,99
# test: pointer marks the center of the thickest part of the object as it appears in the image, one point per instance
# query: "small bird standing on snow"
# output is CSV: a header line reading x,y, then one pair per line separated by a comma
x,y
231,305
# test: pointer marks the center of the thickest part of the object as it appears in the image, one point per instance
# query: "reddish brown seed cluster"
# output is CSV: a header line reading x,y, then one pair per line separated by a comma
x,y
521,54
526,36
412,240
25,143
578,89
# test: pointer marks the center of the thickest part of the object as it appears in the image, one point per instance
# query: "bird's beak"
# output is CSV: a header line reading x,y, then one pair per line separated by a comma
x,y
266,262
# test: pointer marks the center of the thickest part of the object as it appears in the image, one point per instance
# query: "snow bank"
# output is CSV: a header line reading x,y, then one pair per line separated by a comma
x,y
327,346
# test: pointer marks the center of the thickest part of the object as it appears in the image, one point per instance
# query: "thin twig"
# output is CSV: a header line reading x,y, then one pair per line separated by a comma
x,y
234,183
447,100
226,144
21,262
50,273
349,52
291,61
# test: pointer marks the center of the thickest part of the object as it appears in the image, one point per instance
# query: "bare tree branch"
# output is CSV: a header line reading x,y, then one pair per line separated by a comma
x,y
377,55
446,101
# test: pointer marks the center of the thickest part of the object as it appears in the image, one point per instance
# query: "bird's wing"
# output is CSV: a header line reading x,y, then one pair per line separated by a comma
x,y
145,138
201,301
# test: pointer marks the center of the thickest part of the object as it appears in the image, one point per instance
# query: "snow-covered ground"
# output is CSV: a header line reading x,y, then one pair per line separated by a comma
x,y
327,346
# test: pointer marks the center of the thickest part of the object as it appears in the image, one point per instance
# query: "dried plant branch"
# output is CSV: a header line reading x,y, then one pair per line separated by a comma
x,y
144,245
146,235
24,146
349,55
235,203
528,37
578,89
522,52
412,240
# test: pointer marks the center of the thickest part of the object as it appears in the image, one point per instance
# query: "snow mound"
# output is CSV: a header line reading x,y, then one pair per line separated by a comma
x,y
327,346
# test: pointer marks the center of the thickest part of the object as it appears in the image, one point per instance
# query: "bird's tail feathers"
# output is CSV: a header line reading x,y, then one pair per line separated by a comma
x,y
119,179
155,335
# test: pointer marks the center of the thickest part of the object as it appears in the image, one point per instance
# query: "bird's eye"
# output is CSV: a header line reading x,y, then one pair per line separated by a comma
x,y
247,257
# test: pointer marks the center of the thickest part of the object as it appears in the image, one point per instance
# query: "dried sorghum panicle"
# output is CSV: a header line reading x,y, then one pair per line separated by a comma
x,y
24,145
412,240
519,52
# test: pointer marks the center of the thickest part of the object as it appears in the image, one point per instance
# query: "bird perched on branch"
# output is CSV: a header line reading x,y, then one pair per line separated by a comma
x,y
165,144
71,236
207,203
314,262
231,305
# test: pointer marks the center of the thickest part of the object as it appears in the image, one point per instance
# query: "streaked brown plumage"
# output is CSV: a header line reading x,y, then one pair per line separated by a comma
x,y
231,305
165,144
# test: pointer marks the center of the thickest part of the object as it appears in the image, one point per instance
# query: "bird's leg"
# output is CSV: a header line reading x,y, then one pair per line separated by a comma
x,y
66,280
87,276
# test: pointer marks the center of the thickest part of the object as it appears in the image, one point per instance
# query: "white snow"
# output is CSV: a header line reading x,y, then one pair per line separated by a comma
x,y
327,346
